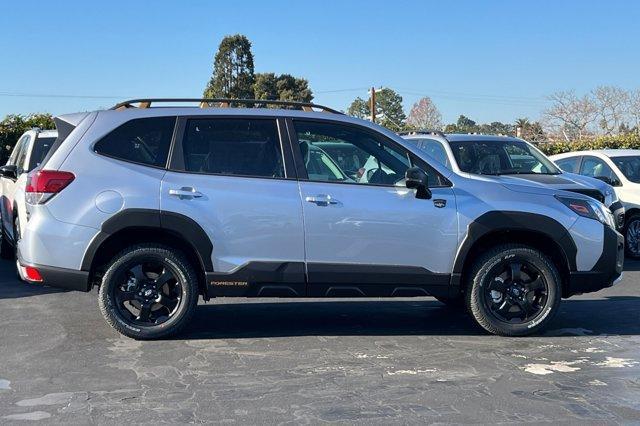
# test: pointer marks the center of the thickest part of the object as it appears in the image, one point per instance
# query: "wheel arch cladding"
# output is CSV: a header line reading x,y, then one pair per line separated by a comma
x,y
532,229
174,229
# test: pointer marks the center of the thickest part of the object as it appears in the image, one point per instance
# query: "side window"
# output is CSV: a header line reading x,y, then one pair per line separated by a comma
x,y
22,155
357,156
143,140
435,149
41,147
595,167
16,150
233,146
569,164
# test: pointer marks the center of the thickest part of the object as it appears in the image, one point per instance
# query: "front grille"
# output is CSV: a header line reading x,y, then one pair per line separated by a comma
x,y
593,193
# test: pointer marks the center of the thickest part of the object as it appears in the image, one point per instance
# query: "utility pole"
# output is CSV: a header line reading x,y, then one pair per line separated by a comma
x,y
372,104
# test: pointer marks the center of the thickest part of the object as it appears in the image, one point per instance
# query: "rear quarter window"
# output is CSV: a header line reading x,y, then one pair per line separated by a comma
x,y
143,141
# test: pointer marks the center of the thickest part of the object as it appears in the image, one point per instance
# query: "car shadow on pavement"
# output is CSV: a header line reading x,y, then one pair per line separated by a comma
x,y
13,288
631,265
612,316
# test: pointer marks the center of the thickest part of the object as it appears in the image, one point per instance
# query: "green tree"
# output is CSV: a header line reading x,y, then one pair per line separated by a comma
x,y
463,125
389,112
266,86
284,87
14,125
233,72
359,108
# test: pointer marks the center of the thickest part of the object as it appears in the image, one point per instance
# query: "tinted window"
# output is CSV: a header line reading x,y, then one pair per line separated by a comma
x,y
40,149
245,147
22,155
569,164
500,157
434,149
361,156
595,167
629,166
144,140
17,149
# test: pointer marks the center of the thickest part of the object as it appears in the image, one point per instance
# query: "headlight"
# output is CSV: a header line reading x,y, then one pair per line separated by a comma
x,y
589,208
610,196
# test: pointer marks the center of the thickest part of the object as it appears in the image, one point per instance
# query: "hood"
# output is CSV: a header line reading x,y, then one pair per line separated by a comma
x,y
549,184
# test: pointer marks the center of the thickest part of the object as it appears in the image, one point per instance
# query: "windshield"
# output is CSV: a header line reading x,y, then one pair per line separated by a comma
x,y
501,157
629,166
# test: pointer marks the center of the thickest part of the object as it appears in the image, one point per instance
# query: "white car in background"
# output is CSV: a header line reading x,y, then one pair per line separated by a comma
x,y
620,168
510,160
32,147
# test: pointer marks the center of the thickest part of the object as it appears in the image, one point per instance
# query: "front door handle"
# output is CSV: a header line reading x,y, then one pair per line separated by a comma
x,y
185,193
322,200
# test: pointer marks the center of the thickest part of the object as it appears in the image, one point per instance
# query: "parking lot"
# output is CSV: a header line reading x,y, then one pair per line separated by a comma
x,y
312,361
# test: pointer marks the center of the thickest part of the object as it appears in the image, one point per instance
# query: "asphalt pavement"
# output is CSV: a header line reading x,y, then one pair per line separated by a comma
x,y
274,361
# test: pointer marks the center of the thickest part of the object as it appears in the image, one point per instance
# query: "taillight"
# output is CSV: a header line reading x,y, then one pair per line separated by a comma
x,y
44,184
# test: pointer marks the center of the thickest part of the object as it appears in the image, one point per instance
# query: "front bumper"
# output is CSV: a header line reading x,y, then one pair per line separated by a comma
x,y
607,270
618,214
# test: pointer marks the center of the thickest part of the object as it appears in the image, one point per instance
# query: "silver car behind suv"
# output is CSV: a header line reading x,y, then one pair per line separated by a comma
x,y
158,206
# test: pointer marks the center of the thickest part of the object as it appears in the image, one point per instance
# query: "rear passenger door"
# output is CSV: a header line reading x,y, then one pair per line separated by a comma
x,y
232,176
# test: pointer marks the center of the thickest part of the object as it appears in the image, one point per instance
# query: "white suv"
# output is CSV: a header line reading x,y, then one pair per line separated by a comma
x,y
27,154
455,151
619,168
159,206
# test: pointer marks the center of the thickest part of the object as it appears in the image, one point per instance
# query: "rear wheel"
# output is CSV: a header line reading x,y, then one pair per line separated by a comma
x,y
148,292
632,237
515,290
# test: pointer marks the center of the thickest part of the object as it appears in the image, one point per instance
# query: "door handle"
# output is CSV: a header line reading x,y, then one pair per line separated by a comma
x,y
322,200
185,193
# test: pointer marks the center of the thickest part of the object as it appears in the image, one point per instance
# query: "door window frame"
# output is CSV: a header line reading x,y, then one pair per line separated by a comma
x,y
414,160
613,171
176,151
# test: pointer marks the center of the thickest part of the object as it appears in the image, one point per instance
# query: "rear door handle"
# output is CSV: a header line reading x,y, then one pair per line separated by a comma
x,y
185,193
322,200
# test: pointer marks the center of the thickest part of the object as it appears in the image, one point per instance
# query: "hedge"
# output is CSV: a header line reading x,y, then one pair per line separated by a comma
x,y
626,141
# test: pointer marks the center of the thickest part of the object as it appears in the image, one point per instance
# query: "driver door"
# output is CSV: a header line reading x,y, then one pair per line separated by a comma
x,y
366,234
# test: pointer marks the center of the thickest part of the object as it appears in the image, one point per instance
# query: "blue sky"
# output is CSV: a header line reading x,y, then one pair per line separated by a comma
x,y
489,60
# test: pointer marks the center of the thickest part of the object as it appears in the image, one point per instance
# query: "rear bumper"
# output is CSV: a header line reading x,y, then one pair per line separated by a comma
x,y
607,270
69,279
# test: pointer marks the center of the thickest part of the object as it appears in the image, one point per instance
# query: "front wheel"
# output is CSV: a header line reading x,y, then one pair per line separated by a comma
x,y
632,237
514,290
149,291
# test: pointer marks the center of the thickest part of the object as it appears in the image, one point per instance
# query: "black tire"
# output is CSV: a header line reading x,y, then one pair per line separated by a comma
x,y
453,302
6,249
492,299
184,283
632,237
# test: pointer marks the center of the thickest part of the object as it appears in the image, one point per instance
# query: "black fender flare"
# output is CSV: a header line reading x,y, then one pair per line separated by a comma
x,y
500,221
177,224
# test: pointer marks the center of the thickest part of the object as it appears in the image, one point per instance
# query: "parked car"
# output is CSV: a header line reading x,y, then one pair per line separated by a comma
x,y
481,154
28,153
620,168
177,202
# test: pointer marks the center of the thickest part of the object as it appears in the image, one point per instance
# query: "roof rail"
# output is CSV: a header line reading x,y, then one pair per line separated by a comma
x,y
423,132
224,103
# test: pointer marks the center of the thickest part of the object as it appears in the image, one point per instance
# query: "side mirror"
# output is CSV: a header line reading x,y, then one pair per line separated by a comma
x,y
9,171
416,178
